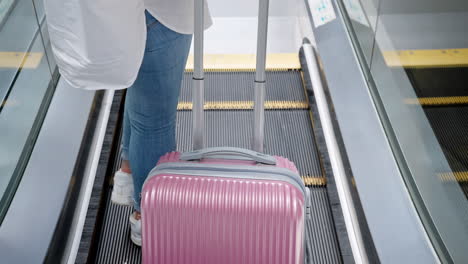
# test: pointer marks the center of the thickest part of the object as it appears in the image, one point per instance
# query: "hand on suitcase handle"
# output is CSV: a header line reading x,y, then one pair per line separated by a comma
x,y
229,151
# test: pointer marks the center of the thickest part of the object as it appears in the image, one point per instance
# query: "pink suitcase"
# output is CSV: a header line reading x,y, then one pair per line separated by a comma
x,y
212,206
224,205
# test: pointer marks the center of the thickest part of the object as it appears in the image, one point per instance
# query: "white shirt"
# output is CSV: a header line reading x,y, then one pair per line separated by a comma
x,y
177,15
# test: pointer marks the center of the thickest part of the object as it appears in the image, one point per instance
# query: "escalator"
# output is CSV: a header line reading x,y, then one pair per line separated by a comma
x,y
394,77
413,55
289,132
443,95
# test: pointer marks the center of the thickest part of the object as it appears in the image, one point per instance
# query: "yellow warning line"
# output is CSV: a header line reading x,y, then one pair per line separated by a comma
x,y
314,181
427,58
245,105
461,176
428,101
246,62
16,60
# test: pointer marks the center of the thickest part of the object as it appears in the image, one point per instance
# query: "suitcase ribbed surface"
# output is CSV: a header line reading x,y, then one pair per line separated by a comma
x,y
288,133
220,220
321,244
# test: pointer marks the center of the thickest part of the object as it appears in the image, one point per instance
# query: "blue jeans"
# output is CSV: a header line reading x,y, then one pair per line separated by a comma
x,y
151,103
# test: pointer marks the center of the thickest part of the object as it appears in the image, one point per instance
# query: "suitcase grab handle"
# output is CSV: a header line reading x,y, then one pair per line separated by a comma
x,y
229,151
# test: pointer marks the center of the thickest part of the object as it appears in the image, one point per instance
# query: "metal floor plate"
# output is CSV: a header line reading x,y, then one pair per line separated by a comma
x,y
288,133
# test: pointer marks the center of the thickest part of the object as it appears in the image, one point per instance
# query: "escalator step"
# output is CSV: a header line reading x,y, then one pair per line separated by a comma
x,y
287,134
439,82
115,245
439,101
246,105
450,125
322,245
239,86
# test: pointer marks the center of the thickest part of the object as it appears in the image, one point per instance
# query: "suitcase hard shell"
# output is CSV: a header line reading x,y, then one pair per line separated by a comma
x,y
223,210
224,205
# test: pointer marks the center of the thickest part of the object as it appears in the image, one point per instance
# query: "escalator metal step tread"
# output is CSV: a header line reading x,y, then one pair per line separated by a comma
x,y
428,81
288,133
450,125
238,86
115,245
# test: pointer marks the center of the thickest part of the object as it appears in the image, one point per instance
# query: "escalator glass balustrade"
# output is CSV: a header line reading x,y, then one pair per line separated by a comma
x,y
415,57
26,84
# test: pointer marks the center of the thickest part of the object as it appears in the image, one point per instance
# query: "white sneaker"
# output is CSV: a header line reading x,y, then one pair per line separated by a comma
x,y
122,192
135,230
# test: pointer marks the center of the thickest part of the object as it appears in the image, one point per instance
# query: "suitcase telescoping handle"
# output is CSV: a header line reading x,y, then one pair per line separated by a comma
x,y
230,152
198,77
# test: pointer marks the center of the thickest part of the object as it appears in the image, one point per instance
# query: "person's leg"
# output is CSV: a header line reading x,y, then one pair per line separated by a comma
x,y
152,101
125,165
122,191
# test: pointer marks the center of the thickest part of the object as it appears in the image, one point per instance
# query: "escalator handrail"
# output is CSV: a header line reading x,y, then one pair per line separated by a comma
x,y
344,191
